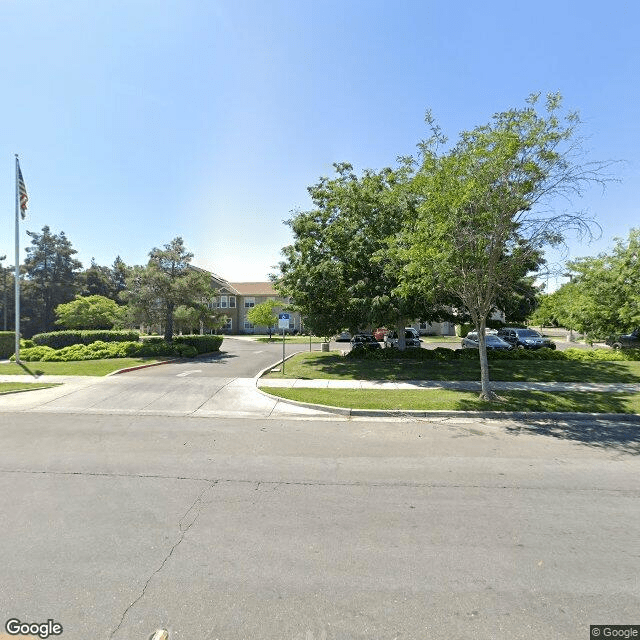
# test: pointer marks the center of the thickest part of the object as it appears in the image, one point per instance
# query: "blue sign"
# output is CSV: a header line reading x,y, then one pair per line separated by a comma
x,y
283,320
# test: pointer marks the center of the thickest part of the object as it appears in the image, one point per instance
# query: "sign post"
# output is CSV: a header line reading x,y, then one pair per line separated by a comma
x,y
283,323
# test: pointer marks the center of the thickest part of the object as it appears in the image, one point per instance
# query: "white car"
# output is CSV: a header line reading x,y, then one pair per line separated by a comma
x,y
411,338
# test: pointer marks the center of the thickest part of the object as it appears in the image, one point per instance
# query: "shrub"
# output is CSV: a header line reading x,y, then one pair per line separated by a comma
x,y
444,354
60,339
202,344
7,343
100,349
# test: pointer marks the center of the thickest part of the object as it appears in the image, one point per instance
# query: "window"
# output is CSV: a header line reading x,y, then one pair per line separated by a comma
x,y
248,325
249,303
224,301
228,325
232,302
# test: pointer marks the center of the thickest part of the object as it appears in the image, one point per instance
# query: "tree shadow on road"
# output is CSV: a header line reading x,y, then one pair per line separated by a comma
x,y
219,356
607,434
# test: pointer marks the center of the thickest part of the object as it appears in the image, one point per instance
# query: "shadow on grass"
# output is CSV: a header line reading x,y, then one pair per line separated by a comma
x,y
616,435
567,371
544,401
335,365
34,372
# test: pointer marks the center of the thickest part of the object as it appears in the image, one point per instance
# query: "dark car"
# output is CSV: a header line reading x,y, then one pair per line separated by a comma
x,y
625,340
522,338
364,341
492,342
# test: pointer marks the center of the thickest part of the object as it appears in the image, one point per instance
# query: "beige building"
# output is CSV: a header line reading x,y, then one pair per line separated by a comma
x,y
236,299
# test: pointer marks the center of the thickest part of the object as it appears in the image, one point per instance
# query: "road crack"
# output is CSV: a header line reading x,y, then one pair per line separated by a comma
x,y
184,524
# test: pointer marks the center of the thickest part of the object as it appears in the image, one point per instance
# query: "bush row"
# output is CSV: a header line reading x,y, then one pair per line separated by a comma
x,y
444,354
100,349
60,339
7,344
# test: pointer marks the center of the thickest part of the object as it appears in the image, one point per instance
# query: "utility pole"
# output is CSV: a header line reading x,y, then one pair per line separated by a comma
x,y
4,291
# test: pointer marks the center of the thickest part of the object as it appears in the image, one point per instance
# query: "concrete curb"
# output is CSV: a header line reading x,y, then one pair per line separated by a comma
x,y
140,366
266,369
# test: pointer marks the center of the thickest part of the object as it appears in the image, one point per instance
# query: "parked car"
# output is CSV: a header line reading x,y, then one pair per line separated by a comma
x,y
411,338
364,341
380,333
625,340
522,338
343,336
491,341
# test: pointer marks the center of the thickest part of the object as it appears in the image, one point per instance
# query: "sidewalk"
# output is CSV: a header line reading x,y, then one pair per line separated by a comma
x,y
291,383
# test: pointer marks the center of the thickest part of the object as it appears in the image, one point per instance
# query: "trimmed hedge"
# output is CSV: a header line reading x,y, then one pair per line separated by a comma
x,y
7,343
203,344
100,349
60,339
444,354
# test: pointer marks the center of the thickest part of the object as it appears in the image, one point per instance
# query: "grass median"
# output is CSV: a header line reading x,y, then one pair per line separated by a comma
x,y
332,365
445,400
74,368
11,387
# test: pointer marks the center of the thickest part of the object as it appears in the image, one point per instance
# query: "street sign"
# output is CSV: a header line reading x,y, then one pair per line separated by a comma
x,y
283,320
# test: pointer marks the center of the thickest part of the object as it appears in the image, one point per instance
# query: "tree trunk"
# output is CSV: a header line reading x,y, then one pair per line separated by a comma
x,y
402,343
168,330
486,392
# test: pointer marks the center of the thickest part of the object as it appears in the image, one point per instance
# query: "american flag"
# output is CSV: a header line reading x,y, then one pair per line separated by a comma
x,y
22,190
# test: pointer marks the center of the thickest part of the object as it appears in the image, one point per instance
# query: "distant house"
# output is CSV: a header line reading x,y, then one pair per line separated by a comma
x,y
236,299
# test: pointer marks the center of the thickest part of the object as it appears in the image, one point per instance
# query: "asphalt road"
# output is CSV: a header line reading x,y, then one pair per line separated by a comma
x,y
305,530
238,358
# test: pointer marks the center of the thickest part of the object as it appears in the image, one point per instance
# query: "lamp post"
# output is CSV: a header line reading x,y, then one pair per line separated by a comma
x,y
4,291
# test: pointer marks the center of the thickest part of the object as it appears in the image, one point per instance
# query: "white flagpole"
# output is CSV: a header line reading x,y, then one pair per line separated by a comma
x,y
17,323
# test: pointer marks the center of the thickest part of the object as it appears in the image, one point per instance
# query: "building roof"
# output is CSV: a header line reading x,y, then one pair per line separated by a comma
x,y
219,281
255,288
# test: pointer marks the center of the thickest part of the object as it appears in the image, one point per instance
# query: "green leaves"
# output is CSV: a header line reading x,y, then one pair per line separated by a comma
x,y
89,312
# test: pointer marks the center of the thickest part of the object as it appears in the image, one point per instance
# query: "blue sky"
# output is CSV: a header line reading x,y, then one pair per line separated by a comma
x,y
140,120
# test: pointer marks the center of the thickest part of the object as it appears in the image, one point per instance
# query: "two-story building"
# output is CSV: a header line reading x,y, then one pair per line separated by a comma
x,y
236,299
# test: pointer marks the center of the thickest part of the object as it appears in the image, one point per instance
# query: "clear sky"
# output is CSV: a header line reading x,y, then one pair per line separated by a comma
x,y
140,120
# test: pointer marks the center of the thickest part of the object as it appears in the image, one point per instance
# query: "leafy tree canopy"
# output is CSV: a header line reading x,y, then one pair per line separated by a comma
x,y
486,205
166,282
88,312
51,271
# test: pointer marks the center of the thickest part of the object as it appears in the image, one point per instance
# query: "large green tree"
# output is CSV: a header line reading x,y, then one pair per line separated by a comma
x,y
166,282
95,281
50,272
486,209
340,270
603,295
89,312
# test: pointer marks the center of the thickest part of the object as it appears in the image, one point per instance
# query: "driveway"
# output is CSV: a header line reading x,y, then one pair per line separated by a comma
x,y
223,384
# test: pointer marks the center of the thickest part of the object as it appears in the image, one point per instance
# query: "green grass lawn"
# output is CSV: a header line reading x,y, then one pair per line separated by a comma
x,y
75,368
334,366
443,400
10,387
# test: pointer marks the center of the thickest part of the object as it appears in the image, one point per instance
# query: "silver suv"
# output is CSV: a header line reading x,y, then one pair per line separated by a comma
x,y
411,338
